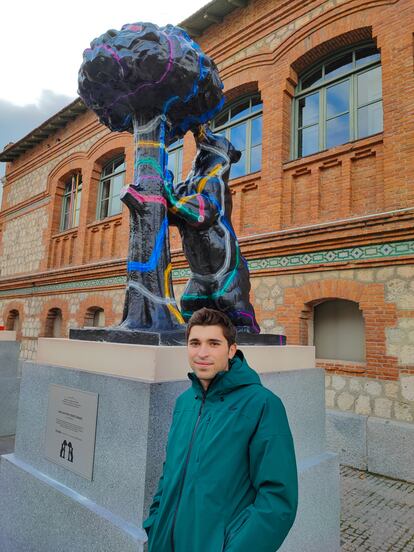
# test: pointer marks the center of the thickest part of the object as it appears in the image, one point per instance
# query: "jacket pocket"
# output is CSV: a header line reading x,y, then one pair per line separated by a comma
x,y
235,526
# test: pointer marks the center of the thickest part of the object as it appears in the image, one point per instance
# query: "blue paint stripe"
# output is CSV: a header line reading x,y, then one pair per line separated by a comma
x,y
156,252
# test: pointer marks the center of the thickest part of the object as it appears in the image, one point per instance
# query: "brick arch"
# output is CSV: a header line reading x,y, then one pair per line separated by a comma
x,y
330,46
14,306
101,153
67,166
103,148
56,187
61,304
243,81
98,301
378,314
246,88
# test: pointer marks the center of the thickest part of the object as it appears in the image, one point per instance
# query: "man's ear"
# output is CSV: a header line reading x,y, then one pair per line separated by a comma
x,y
232,350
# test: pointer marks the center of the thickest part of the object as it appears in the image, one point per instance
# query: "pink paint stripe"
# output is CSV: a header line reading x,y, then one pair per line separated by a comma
x,y
147,198
149,84
108,49
201,204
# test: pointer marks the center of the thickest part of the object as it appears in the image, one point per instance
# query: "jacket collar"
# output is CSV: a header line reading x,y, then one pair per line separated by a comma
x,y
239,374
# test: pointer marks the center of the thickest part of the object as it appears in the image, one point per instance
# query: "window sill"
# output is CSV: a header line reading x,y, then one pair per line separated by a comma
x,y
343,366
246,179
106,220
335,151
67,232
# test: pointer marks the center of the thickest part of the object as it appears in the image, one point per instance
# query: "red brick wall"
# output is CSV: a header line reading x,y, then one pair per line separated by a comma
x,y
263,47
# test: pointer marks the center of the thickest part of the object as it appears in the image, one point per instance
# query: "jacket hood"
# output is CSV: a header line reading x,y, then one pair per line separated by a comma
x,y
238,375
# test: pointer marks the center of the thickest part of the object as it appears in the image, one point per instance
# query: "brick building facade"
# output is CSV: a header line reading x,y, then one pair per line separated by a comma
x,y
323,204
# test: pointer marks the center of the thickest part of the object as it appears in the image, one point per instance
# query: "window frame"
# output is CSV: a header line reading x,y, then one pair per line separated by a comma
x,y
70,196
350,75
249,118
177,147
102,180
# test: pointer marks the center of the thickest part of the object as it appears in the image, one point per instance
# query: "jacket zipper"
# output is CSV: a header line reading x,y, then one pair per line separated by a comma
x,y
185,468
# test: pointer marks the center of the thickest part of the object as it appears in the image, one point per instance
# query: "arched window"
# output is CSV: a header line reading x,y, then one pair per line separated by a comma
x,y
95,316
13,320
71,202
339,331
338,100
53,326
112,180
241,123
175,159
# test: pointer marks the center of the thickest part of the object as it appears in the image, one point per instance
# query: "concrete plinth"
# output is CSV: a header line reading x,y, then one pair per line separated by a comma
x,y
371,443
9,382
134,414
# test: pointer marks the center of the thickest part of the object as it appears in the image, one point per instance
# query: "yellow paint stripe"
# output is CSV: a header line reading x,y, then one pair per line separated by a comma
x,y
167,295
176,313
150,144
204,180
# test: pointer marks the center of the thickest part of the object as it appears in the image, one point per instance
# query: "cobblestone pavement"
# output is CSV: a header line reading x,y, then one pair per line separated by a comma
x,y
377,513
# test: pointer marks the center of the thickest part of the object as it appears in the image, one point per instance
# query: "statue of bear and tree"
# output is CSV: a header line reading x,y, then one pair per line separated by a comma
x,y
156,83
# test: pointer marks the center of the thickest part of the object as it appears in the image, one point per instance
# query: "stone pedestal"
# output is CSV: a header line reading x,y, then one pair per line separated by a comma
x,y
370,443
45,507
9,382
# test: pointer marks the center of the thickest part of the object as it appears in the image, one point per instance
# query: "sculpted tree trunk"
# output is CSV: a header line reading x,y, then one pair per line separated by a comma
x,y
149,301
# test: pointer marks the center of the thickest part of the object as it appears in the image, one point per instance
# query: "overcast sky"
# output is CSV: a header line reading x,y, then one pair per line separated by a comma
x,y
42,44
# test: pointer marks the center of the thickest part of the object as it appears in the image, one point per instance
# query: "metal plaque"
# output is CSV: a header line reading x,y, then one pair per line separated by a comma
x,y
71,428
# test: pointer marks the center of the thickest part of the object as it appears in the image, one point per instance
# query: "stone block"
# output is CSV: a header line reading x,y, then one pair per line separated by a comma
x,y
9,398
302,393
390,447
33,500
9,356
346,436
9,385
319,502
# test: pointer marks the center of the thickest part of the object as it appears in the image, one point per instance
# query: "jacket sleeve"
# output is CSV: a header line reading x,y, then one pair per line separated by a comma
x,y
264,525
153,511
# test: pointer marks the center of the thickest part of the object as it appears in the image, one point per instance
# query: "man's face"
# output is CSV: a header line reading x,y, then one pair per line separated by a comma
x,y
208,352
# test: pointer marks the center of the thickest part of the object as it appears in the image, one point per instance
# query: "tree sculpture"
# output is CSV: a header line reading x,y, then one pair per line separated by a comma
x,y
157,83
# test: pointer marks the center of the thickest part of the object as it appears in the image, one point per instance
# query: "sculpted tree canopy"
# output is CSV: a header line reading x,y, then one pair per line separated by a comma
x,y
146,69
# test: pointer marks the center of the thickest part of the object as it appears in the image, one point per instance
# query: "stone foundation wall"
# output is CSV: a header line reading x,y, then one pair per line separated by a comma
x,y
385,296
73,307
23,243
385,399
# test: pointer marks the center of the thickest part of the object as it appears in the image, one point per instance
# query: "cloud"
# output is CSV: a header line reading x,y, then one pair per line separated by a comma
x,y
16,121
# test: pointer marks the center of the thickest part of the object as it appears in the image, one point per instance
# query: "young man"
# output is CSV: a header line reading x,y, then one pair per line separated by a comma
x,y
229,482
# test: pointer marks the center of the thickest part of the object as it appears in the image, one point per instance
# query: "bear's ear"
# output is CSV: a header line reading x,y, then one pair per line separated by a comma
x,y
234,155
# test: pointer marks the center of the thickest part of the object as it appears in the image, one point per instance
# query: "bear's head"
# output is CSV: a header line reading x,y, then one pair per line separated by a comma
x,y
205,137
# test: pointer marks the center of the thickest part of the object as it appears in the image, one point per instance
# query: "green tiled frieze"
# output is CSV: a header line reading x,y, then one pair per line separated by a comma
x,y
348,254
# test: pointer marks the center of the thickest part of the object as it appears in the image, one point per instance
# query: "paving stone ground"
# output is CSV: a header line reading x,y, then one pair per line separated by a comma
x,y
377,513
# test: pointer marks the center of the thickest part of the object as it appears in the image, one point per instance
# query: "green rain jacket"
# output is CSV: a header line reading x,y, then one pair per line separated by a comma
x,y
229,481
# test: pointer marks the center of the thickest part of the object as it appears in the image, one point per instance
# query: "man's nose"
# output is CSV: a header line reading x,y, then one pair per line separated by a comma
x,y
203,350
